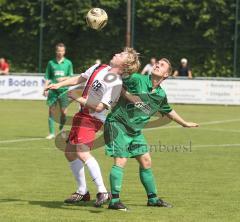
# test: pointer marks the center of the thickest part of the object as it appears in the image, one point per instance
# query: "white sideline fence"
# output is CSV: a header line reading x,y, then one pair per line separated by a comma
x,y
219,91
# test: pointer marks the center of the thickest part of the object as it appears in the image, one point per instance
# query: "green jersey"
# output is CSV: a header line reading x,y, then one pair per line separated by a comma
x,y
136,116
57,70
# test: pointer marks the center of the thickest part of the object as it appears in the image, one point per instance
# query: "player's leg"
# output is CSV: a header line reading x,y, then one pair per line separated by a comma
x,y
148,181
51,102
117,142
62,119
83,153
77,168
51,122
88,126
64,102
116,178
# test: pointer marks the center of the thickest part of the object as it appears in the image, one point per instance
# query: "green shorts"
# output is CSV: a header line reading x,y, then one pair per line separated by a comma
x,y
59,95
120,143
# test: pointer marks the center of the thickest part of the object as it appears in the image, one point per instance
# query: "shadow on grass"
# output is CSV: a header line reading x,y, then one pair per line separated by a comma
x,y
58,205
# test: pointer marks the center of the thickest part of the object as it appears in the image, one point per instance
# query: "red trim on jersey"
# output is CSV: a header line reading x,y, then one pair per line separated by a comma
x,y
89,83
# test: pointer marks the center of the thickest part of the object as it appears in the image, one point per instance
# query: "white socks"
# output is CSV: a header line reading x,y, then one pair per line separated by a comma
x,y
77,167
95,173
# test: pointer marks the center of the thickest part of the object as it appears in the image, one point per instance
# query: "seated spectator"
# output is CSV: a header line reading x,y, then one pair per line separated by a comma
x,y
183,70
4,67
148,68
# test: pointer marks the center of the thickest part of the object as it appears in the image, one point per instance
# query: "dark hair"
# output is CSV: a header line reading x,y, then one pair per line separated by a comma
x,y
60,45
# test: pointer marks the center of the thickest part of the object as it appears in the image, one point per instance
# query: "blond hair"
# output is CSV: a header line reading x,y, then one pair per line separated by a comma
x,y
132,64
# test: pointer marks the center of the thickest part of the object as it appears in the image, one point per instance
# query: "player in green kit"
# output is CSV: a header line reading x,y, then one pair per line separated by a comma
x,y
58,70
122,130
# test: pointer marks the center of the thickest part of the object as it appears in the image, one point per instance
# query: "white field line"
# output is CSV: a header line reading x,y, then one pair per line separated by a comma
x,y
149,129
201,124
20,140
56,149
216,145
220,130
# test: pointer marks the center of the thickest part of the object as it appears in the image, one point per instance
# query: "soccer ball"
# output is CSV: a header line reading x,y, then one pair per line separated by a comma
x,y
96,18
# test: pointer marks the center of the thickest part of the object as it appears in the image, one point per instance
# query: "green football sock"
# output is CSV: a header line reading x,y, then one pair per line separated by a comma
x,y
62,121
116,176
147,179
51,125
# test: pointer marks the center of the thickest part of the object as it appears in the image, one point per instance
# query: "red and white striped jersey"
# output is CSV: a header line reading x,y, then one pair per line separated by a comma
x,y
101,87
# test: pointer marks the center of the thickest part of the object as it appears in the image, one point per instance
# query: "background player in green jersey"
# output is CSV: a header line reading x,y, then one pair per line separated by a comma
x,y
58,70
122,132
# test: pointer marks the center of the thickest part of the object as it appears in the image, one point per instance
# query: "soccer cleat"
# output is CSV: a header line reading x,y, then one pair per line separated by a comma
x,y
77,197
50,136
102,198
159,203
117,206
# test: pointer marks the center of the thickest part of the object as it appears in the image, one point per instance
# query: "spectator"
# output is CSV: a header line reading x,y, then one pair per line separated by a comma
x,y
148,68
183,70
4,67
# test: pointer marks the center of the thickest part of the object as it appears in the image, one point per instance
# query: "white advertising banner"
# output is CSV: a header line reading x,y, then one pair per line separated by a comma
x,y
202,91
21,87
226,92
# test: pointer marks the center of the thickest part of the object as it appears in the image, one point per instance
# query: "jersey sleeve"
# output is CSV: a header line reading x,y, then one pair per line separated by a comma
x,y
165,108
89,72
48,72
111,94
132,84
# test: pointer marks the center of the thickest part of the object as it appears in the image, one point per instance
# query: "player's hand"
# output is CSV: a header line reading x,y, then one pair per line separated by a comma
x,y
45,92
53,86
190,125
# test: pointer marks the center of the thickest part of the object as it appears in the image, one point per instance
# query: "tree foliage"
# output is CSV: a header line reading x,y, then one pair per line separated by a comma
x,y
202,31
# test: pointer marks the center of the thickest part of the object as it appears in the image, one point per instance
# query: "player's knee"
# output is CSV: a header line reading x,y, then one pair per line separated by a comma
x,y
83,153
146,163
121,162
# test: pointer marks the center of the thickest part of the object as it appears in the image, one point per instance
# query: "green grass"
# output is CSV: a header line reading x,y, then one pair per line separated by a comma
x,y
202,183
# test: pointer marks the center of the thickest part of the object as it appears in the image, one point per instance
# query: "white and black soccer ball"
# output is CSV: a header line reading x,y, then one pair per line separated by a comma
x,y
96,18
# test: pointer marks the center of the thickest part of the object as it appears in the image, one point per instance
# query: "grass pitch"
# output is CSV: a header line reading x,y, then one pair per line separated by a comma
x,y
197,170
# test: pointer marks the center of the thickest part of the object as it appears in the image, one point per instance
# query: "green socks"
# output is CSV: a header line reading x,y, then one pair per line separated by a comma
x,y
116,176
147,179
51,125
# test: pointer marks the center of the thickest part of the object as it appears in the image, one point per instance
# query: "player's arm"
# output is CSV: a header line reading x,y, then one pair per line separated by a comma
x,y
61,79
47,78
84,102
68,82
110,96
178,119
130,97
